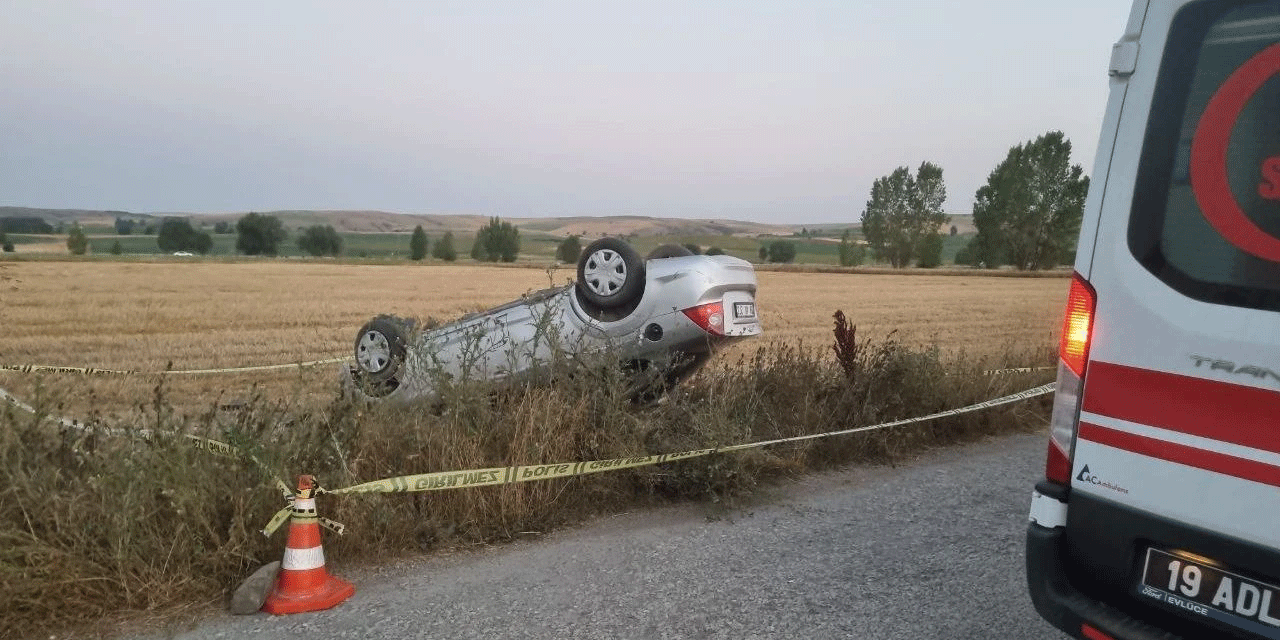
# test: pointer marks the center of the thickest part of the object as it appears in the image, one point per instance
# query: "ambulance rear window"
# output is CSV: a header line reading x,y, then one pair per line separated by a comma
x,y
1206,210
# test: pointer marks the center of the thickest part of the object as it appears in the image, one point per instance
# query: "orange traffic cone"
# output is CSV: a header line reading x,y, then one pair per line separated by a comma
x,y
304,584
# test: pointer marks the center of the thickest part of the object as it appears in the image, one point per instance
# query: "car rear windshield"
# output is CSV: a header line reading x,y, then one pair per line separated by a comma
x,y
1206,210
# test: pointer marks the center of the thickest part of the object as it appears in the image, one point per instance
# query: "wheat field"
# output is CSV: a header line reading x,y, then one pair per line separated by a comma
x,y
149,316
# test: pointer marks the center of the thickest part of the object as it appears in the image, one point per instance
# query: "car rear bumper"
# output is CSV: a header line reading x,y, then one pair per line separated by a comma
x,y
1085,572
1063,605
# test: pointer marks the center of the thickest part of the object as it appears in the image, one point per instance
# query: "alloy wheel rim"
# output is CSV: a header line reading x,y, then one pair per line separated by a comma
x,y
605,272
374,352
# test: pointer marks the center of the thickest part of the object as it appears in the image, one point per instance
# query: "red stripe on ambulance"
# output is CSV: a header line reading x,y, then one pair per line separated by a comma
x,y
1246,416
1182,454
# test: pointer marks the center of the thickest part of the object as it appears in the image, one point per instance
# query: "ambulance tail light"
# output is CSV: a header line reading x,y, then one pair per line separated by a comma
x,y
1073,359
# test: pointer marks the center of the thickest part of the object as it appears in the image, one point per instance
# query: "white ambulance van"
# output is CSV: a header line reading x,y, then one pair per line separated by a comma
x,y
1159,514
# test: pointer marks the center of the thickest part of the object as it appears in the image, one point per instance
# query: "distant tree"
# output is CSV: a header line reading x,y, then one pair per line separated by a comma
x,y
259,234
902,211
886,214
1028,213
116,249
930,251
25,224
174,233
418,244
964,255
320,240
508,241
177,234
693,248
852,254
77,243
202,243
443,248
124,226
953,229
222,227
149,230
496,241
715,251
569,250
764,252
782,251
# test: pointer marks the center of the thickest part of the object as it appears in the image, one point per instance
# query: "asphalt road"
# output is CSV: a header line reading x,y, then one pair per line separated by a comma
x,y
929,549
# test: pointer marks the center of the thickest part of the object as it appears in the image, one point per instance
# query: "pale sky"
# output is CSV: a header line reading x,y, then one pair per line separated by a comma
x,y
780,112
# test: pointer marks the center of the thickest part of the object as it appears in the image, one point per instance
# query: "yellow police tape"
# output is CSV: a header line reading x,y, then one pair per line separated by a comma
x,y
92,371
8,397
215,447
995,372
282,515
509,475
527,473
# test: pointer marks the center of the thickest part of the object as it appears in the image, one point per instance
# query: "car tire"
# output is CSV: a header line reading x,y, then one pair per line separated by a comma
x,y
610,274
380,349
669,251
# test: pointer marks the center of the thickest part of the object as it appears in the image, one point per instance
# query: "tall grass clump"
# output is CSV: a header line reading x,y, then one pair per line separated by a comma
x,y
114,520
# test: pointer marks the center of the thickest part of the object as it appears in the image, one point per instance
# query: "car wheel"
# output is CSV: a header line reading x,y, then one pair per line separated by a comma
x,y
669,251
610,274
380,348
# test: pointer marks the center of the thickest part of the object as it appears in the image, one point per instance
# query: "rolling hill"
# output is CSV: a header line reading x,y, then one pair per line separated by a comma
x,y
364,221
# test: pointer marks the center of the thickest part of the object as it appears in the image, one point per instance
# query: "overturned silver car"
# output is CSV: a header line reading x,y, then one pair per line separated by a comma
x,y
660,318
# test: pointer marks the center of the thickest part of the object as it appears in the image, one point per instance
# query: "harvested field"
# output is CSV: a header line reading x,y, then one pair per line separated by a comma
x,y
977,314
198,315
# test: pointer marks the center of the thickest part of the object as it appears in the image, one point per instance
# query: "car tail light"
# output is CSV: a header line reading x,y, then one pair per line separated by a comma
x,y
709,316
1073,357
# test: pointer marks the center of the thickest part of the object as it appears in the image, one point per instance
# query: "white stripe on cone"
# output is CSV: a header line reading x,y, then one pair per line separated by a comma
x,y
302,559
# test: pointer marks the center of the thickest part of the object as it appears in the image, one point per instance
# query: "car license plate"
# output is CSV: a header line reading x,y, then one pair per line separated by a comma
x,y
1197,585
744,309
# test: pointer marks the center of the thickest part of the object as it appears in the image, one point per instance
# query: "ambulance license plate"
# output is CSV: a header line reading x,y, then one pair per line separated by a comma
x,y
1197,586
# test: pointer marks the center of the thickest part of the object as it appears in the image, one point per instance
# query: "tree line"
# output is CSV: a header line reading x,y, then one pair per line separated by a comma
x,y
1027,214
260,234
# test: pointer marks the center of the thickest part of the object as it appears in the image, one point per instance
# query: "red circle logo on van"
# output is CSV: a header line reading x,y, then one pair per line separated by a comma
x,y
1209,158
